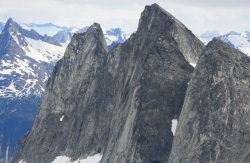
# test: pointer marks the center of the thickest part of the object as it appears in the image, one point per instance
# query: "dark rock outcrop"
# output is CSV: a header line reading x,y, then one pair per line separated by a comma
x,y
214,122
119,104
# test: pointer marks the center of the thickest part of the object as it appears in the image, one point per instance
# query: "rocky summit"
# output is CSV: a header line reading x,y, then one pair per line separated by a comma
x,y
214,123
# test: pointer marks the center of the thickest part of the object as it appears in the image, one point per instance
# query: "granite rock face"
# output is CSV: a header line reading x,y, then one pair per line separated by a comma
x,y
119,104
214,122
150,77
72,118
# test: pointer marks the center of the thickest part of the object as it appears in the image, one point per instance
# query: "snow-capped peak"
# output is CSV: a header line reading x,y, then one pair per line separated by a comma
x,y
26,63
239,41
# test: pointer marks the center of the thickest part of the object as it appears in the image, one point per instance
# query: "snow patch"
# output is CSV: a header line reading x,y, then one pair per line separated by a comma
x,y
193,64
238,41
21,161
174,125
241,43
62,117
91,159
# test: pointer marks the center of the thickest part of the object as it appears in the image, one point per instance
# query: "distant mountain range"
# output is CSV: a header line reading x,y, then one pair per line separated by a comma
x,y
240,41
28,54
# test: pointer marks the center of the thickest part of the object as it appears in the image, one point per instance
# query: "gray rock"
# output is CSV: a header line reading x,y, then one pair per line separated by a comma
x,y
151,76
73,113
119,104
214,125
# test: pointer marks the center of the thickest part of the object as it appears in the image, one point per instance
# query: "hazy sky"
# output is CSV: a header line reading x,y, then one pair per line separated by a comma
x,y
197,15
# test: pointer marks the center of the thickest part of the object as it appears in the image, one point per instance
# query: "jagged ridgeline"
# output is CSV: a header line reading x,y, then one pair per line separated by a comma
x,y
119,104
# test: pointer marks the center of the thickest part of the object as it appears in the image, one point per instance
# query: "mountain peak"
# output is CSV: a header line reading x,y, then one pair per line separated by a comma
x,y
155,6
10,25
156,11
95,27
157,22
94,35
216,46
10,20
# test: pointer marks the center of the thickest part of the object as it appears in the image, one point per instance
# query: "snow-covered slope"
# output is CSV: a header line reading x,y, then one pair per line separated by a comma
x,y
239,41
26,74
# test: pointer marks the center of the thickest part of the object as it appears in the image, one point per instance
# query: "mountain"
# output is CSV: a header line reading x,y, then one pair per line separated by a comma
x,y
48,28
81,72
214,122
25,55
240,41
26,61
114,37
116,106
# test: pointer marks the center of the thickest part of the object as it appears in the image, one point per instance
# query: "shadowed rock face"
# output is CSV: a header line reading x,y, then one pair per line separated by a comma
x,y
151,76
119,104
214,122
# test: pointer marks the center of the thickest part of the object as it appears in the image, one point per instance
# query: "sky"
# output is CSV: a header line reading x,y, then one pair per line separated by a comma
x,y
198,15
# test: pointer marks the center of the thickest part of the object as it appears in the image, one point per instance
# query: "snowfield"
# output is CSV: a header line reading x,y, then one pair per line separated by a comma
x,y
42,51
26,74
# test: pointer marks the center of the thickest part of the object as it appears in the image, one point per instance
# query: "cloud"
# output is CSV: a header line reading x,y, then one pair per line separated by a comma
x,y
215,3
198,15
